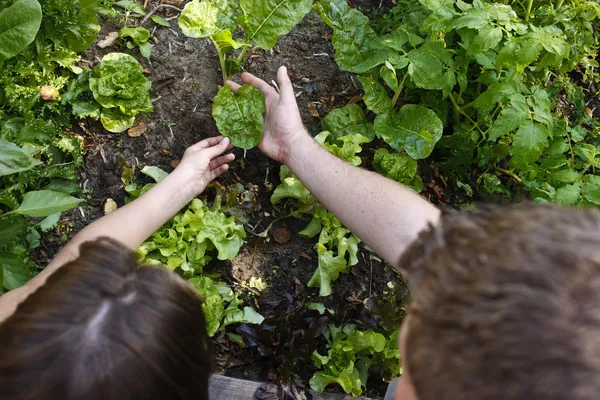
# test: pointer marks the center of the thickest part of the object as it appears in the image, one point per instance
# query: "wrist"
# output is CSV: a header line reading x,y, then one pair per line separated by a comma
x,y
296,144
182,185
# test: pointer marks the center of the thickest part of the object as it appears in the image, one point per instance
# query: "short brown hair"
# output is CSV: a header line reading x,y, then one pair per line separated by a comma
x,y
506,305
102,328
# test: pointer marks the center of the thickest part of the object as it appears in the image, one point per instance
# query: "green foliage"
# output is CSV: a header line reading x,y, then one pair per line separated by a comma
x,y
138,37
482,81
337,246
239,116
350,355
43,203
14,159
120,87
19,25
185,242
263,22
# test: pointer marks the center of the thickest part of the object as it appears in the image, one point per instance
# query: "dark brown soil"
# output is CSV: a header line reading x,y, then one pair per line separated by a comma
x,y
185,74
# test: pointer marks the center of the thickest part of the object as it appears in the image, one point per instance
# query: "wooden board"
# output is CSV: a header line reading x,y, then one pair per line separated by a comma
x,y
226,388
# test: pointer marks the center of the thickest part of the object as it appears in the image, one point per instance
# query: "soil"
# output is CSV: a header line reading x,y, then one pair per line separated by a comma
x,y
185,75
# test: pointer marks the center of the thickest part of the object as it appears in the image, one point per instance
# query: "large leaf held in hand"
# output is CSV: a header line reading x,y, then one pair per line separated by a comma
x,y
239,116
19,24
414,128
42,203
265,20
13,159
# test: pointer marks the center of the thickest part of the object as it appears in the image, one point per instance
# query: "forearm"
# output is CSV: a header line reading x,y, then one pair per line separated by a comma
x,y
382,213
130,225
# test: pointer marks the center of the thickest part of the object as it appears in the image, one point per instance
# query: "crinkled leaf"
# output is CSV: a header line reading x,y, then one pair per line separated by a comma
x,y
119,82
50,222
400,168
427,65
225,42
19,25
414,128
199,19
13,159
265,20
328,270
376,98
357,47
351,145
348,120
239,116
569,194
138,34
43,203
115,121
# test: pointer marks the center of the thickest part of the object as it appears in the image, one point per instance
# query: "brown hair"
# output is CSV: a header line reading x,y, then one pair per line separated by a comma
x,y
506,305
102,328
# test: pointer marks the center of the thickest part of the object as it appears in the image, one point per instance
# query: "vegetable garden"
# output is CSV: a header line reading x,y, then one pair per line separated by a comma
x,y
463,101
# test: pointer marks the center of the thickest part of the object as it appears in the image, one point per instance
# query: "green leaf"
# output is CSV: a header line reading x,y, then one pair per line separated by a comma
x,y
115,121
587,152
11,229
15,271
160,21
569,194
246,316
154,172
349,148
84,109
400,168
529,142
225,42
43,203
199,19
414,128
13,159
376,98
50,222
138,35
264,21
348,120
19,25
119,82
591,188
357,47
239,116
328,270
487,38
509,119
427,65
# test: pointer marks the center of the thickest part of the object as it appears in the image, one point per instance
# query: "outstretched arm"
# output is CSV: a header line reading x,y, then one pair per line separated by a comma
x,y
382,213
135,222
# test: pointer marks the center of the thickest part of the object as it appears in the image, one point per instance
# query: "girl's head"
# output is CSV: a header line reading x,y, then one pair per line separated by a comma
x,y
103,328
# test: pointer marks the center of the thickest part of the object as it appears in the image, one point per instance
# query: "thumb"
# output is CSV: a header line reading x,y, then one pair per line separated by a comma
x,y
217,149
286,90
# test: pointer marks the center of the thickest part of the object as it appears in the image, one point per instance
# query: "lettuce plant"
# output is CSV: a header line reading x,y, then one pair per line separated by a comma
x,y
349,358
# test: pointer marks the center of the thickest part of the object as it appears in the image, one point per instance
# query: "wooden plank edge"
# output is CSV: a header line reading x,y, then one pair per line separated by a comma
x,y
227,388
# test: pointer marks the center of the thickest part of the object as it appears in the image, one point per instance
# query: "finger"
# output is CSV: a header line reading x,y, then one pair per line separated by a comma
x,y
233,85
209,142
286,90
258,83
215,173
216,150
217,162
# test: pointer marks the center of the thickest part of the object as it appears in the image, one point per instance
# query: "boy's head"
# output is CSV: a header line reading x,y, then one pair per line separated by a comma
x,y
102,328
506,305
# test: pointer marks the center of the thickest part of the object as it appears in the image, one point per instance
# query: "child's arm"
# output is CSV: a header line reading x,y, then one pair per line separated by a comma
x,y
135,222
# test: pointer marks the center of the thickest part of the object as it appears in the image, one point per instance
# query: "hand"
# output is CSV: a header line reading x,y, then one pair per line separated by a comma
x,y
283,124
201,163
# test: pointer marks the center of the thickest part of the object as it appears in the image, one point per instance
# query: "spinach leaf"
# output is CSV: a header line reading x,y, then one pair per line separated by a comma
x,y
239,116
19,25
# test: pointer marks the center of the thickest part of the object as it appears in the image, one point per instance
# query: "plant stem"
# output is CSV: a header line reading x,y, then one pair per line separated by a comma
x,y
397,94
158,7
221,60
528,11
242,54
509,173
